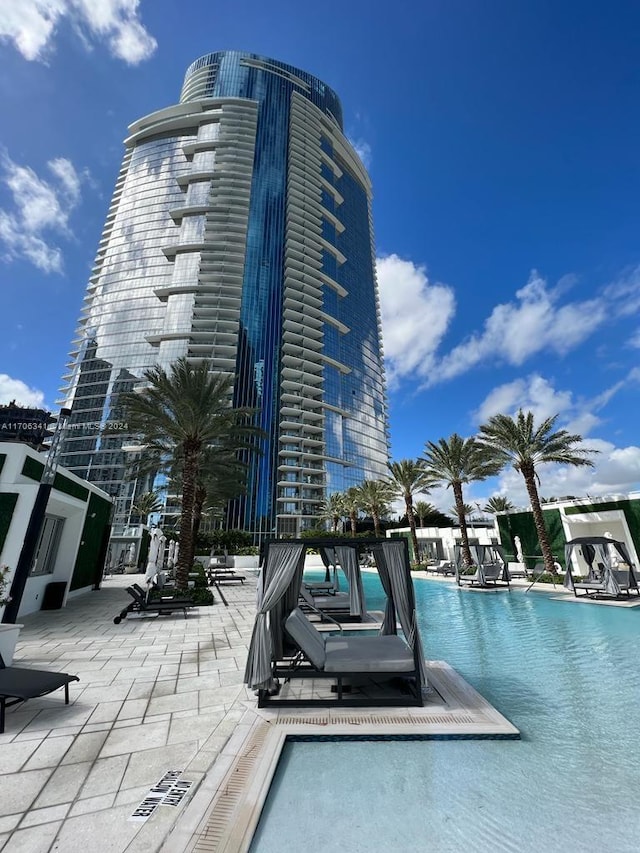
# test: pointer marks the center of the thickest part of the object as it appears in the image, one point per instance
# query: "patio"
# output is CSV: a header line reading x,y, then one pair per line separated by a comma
x,y
155,694
162,694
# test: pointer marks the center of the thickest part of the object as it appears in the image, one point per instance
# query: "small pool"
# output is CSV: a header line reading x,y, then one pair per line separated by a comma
x,y
567,675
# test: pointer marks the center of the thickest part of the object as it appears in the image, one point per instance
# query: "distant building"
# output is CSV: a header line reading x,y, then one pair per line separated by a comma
x,y
26,425
240,235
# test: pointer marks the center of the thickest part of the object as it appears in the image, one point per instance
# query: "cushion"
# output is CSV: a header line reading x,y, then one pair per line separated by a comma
x,y
368,654
306,637
339,601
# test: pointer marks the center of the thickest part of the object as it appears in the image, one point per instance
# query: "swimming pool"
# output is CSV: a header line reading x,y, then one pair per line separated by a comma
x,y
567,675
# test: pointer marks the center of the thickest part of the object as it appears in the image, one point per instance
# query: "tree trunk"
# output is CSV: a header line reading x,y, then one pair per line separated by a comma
x,y
354,522
199,498
529,475
336,519
412,525
376,523
185,554
462,519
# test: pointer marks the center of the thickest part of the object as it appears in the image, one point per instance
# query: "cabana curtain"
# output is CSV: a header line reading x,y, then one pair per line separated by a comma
x,y
598,549
278,595
348,559
389,622
329,560
404,601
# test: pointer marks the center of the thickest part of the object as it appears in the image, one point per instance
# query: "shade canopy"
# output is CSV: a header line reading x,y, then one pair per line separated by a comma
x,y
279,589
599,554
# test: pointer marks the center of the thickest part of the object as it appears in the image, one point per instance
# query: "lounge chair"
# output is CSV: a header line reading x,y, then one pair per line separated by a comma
x,y
444,567
336,605
18,685
317,656
140,604
223,575
486,575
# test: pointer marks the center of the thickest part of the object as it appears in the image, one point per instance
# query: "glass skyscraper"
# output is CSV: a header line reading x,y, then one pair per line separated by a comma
x,y
240,234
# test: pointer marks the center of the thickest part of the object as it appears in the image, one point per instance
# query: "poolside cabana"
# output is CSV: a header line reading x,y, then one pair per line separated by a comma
x,y
297,650
611,574
490,569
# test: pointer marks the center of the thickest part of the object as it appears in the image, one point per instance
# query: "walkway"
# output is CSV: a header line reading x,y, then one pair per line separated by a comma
x,y
156,694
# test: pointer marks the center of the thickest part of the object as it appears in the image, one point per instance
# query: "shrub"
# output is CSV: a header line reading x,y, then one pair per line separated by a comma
x,y
248,551
547,577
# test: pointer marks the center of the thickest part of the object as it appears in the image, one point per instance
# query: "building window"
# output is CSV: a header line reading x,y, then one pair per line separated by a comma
x,y
47,550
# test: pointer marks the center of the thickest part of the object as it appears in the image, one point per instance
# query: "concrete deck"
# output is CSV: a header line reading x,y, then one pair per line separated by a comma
x,y
161,694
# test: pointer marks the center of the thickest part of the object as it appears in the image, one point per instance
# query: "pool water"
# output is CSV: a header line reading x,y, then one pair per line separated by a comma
x,y
567,675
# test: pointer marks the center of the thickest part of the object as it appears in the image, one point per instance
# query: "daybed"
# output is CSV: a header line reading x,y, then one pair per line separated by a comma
x,y
606,577
285,644
491,568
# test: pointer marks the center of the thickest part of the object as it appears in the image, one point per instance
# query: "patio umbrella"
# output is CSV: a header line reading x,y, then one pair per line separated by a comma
x,y
171,554
132,554
152,559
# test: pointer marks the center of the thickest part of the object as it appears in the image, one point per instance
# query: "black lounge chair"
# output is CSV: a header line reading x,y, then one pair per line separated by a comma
x,y
337,657
216,575
18,685
162,606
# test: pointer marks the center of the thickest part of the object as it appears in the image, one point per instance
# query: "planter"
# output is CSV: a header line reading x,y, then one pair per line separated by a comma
x,y
8,639
250,561
131,570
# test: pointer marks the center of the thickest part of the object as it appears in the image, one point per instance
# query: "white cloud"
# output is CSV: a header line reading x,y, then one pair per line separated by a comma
x,y
415,317
616,471
31,26
514,331
533,393
16,389
363,150
39,209
537,394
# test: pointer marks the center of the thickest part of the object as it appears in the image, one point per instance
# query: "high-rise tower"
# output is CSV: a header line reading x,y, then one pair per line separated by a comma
x,y
240,234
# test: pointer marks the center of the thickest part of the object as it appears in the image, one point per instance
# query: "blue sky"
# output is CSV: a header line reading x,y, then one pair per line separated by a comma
x,y
502,142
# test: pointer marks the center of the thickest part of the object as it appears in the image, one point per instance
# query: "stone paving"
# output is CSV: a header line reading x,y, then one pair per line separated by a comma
x,y
155,694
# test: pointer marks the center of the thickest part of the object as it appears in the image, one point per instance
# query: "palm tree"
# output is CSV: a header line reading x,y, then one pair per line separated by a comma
x,y
333,509
518,442
498,503
422,510
408,476
178,415
466,508
352,506
375,498
454,462
147,503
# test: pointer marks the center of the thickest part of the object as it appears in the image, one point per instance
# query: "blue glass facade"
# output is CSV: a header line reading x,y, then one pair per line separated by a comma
x,y
257,256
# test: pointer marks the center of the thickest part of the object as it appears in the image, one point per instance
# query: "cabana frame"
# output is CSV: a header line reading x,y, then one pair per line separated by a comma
x,y
273,654
609,581
491,568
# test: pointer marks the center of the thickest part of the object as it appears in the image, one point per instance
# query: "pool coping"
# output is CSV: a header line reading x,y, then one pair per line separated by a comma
x,y
223,815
